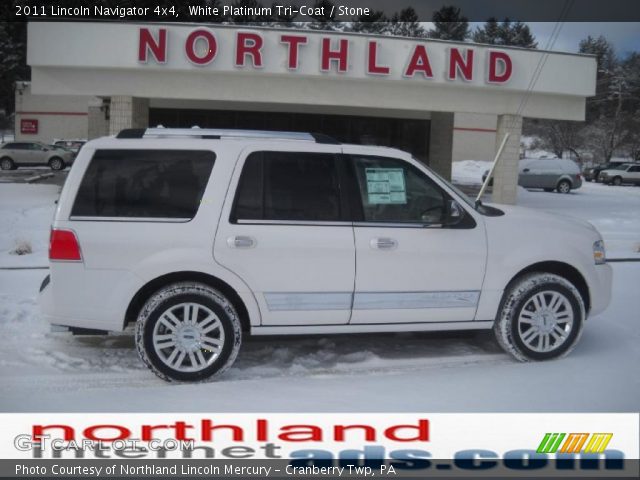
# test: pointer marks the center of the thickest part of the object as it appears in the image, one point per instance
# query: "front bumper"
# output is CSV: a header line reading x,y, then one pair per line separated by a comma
x,y
600,290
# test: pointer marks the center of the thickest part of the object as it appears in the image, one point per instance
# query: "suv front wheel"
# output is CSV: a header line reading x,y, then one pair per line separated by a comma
x,y
541,317
188,332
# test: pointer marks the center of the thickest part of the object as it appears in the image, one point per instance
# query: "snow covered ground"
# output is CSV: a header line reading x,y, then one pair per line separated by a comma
x,y
26,212
42,371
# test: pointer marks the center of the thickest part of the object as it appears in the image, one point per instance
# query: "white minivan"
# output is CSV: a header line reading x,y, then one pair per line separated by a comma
x,y
199,237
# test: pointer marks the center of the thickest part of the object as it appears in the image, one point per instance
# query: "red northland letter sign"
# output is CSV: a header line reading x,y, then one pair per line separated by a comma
x,y
28,126
333,54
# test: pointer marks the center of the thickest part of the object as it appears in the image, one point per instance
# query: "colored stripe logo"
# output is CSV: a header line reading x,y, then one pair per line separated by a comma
x,y
574,443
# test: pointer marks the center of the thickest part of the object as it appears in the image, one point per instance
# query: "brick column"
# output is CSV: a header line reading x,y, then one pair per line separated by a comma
x,y
128,112
98,122
441,143
505,176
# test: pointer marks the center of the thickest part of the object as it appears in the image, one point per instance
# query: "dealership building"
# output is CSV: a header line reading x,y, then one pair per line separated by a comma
x,y
441,101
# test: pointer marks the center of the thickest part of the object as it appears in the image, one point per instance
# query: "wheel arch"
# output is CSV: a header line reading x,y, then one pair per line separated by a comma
x,y
565,178
141,296
561,269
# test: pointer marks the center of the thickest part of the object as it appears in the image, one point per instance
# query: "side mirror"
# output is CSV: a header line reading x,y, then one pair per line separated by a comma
x,y
525,170
454,214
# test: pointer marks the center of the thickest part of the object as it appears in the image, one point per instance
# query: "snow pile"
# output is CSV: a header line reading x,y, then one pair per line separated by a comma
x,y
26,212
469,172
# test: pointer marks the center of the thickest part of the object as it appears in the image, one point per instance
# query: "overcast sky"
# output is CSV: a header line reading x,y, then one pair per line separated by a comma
x,y
624,36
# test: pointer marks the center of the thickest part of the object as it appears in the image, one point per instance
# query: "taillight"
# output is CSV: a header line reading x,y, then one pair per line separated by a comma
x,y
63,245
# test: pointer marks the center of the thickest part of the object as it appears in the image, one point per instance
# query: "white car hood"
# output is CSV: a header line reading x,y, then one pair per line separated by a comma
x,y
518,215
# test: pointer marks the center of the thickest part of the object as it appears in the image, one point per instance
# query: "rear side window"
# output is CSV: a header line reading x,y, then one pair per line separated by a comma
x,y
144,184
296,186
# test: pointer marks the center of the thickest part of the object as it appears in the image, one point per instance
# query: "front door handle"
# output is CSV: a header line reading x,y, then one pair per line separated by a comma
x,y
383,243
241,241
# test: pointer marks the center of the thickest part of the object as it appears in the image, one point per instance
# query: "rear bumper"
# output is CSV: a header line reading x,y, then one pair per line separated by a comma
x,y
46,302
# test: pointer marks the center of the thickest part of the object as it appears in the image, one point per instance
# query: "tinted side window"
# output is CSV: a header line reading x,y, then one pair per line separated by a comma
x,y
393,191
298,186
18,146
144,184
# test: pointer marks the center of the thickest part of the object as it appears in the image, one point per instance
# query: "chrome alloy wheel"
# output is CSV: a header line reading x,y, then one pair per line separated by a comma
x,y
546,321
188,337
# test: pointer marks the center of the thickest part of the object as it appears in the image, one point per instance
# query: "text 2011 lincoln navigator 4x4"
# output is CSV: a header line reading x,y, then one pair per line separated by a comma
x,y
202,236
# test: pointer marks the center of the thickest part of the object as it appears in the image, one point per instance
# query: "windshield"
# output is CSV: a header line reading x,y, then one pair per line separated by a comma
x,y
621,166
463,196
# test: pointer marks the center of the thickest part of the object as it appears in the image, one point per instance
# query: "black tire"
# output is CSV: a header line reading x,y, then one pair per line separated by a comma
x,y
7,164
56,163
151,325
617,181
564,186
548,189
512,334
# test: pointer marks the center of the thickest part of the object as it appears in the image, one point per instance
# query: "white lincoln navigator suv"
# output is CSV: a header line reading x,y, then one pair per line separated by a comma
x,y
199,237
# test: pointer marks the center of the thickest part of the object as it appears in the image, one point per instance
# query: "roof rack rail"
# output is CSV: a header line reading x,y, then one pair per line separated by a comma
x,y
215,133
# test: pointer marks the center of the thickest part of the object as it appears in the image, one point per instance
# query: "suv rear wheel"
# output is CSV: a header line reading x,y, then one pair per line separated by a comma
x,y
56,163
7,164
564,186
541,317
188,332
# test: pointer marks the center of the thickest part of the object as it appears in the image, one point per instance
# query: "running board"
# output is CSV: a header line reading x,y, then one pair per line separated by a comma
x,y
370,328
77,330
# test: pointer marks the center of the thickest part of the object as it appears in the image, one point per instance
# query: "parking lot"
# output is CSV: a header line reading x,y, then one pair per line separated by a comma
x,y
39,175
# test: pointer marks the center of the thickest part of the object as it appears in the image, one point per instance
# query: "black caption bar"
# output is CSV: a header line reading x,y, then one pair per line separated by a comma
x,y
329,469
320,10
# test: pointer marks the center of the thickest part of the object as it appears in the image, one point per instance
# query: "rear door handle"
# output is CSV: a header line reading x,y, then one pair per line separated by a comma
x,y
241,241
383,243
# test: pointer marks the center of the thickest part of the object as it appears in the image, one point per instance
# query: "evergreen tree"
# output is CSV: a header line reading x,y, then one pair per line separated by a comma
x,y
449,24
376,22
489,33
606,65
505,33
13,61
406,24
518,34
